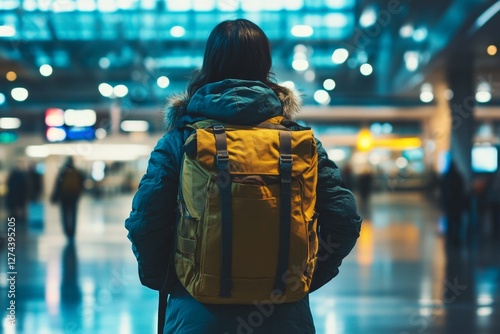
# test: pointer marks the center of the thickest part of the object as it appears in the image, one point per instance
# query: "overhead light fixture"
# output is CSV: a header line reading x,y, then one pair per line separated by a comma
x,y
411,60
483,92
126,4
322,97
106,5
86,6
302,31
104,63
80,118
120,90
339,56
7,31
10,123
420,34
426,94
406,31
291,4
106,89
19,94
335,20
368,17
309,75
448,94
46,70
163,82
492,50
177,31
134,126
11,76
487,15
329,84
300,65
366,69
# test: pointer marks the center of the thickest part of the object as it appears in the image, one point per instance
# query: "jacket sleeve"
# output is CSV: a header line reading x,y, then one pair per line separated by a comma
x,y
152,218
338,223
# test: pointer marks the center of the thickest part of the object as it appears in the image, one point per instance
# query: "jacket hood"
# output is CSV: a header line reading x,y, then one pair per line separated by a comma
x,y
232,101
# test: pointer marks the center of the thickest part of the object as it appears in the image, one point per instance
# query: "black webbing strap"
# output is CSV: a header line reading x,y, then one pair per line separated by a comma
x,y
285,209
224,182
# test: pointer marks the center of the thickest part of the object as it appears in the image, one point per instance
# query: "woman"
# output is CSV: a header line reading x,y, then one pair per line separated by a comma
x,y
233,86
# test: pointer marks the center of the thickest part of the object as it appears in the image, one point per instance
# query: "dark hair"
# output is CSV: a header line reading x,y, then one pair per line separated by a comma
x,y
235,49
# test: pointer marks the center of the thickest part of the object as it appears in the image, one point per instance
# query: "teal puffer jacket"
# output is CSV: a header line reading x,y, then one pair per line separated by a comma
x,y
153,214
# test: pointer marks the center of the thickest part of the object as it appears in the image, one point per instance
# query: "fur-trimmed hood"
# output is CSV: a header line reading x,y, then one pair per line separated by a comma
x,y
232,101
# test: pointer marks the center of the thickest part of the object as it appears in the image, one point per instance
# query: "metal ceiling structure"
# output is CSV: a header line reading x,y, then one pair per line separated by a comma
x,y
134,42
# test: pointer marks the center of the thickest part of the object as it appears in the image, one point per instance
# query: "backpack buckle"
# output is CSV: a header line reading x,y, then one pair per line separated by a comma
x,y
222,156
286,159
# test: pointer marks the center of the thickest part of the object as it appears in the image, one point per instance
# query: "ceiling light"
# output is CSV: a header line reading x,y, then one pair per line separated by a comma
x,y
120,90
11,76
483,96
406,31
302,31
106,90
163,82
177,31
426,97
310,76
322,97
290,4
19,94
7,31
366,69
448,94
86,6
411,60
340,55
2,99
492,50
80,118
46,70
420,34
126,4
106,5
329,84
300,65
483,93
104,63
335,20
134,126
368,17
487,15
10,123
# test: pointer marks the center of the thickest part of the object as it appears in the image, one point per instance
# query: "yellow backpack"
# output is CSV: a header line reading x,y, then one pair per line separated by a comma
x,y
247,231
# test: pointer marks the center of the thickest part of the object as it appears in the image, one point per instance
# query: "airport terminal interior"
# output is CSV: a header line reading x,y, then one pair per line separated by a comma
x,y
403,94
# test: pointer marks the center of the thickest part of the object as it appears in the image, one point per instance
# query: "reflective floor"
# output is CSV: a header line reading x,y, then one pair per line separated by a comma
x,y
399,279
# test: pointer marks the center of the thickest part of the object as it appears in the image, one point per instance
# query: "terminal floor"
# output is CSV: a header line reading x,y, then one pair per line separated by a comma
x,y
399,279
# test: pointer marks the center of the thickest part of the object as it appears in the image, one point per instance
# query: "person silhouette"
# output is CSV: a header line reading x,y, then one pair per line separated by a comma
x,y
67,191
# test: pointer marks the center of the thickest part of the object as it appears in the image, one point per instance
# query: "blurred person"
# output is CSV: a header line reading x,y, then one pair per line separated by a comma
x,y
347,176
493,200
67,191
18,191
453,199
234,86
365,185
